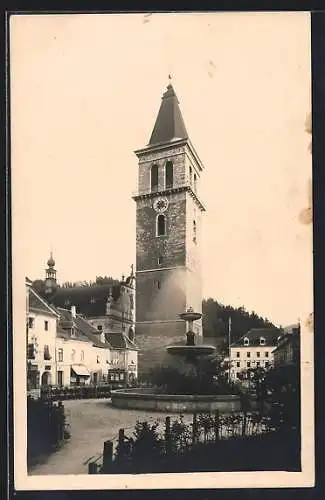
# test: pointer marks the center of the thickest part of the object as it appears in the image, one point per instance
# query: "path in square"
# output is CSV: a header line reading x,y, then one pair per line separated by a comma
x,y
92,422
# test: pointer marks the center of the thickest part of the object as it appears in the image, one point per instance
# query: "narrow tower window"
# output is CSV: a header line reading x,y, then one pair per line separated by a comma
x,y
154,178
161,225
191,176
195,182
160,260
169,174
194,231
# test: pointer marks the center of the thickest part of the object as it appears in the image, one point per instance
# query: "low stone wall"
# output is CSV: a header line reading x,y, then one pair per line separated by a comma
x,y
144,399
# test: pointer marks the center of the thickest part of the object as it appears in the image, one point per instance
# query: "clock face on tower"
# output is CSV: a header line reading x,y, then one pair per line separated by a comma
x,y
160,204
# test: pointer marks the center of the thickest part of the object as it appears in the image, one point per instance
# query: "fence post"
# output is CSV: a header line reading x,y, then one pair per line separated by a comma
x,y
194,431
92,468
61,420
167,436
216,425
107,456
244,424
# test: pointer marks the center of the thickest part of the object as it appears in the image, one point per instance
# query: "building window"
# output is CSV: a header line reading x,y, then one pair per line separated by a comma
x,y
60,378
191,176
46,325
267,363
238,364
246,341
195,182
258,354
73,355
131,334
266,354
67,302
31,322
60,354
262,341
169,174
154,178
99,328
158,284
258,363
82,356
248,364
248,354
31,351
160,260
47,355
194,231
92,300
238,354
161,225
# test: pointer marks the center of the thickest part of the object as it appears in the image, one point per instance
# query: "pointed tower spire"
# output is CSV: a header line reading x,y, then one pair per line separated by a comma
x,y
169,123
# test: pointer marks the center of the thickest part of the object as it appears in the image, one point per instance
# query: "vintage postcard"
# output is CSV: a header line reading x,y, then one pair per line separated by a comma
x,y
162,250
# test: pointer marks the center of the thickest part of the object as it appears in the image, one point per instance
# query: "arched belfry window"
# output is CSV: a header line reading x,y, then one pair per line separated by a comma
x,y
161,225
154,178
169,174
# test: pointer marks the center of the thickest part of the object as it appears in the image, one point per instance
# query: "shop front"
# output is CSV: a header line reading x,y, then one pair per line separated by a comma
x,y
79,375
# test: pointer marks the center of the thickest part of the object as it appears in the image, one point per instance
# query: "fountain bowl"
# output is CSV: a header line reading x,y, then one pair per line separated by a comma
x,y
190,315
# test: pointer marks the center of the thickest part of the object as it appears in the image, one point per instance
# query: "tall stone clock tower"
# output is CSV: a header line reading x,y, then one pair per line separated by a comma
x,y
168,234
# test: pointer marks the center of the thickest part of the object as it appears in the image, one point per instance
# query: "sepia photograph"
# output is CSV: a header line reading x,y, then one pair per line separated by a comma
x,y
162,252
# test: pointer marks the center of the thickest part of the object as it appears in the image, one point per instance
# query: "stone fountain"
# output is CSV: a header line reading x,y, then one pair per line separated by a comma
x,y
153,400
190,351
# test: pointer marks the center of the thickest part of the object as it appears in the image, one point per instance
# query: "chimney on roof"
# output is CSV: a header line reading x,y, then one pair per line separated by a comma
x,y
73,311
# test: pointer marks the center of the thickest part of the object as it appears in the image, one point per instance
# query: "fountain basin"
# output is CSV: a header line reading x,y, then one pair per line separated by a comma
x,y
148,399
191,350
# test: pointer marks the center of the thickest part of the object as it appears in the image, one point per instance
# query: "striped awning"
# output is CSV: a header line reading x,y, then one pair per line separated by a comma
x,y
80,370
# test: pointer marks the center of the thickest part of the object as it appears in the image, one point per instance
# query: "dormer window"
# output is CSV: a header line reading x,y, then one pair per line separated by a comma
x,y
262,341
246,341
99,328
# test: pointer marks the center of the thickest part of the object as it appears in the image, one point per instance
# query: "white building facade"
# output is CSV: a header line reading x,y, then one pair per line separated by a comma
x,y
253,350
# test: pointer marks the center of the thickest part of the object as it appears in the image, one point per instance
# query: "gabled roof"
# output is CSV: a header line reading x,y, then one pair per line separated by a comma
x,y
120,341
84,330
169,123
254,335
37,304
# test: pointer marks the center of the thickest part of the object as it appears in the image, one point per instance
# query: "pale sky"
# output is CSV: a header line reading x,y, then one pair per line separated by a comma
x,y
85,92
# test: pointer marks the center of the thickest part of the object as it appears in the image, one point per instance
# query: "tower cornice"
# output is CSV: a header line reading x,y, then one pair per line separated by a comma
x,y
168,191
151,148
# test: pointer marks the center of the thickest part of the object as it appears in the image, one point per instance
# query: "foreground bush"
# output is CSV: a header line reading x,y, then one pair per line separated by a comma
x,y
203,377
46,428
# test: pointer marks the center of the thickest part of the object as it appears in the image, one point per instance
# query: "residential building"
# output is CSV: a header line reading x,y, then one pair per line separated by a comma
x,y
287,351
81,357
168,234
41,340
255,349
64,349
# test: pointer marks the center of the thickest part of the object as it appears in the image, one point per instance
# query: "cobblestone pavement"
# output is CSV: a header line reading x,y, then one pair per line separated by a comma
x,y
92,422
